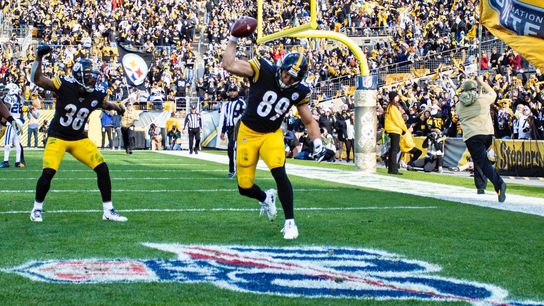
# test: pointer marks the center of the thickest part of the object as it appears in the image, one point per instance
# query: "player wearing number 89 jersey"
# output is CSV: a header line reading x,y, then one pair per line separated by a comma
x,y
77,97
273,90
267,100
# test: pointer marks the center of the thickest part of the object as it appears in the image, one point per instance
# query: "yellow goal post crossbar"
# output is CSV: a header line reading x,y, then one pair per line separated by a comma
x,y
312,25
309,31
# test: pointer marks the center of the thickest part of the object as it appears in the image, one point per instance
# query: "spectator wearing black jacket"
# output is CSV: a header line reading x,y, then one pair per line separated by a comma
x,y
326,121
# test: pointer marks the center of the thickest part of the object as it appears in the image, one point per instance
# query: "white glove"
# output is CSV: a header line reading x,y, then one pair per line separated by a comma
x,y
17,125
319,150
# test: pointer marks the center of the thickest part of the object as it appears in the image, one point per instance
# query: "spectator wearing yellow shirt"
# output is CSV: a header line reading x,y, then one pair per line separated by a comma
x,y
395,127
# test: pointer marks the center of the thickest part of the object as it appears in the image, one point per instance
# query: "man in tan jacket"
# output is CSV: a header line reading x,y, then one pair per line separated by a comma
x,y
473,110
127,126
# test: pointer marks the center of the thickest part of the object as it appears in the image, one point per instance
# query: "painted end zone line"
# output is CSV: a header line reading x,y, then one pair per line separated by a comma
x,y
217,209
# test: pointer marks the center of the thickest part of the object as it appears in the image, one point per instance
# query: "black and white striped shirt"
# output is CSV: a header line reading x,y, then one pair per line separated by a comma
x,y
233,112
193,121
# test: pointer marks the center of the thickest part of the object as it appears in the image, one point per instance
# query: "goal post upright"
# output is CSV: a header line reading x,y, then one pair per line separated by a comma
x,y
365,91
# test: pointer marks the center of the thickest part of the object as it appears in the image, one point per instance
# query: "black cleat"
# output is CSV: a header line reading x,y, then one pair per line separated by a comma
x,y
502,193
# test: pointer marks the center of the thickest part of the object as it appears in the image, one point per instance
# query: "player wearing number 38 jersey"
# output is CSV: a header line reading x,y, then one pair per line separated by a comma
x,y
273,90
77,96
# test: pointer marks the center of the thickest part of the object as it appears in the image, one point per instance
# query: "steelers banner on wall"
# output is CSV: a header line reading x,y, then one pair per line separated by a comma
x,y
136,65
519,157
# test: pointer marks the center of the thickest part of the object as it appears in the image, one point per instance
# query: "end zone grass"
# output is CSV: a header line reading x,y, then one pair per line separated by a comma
x,y
468,242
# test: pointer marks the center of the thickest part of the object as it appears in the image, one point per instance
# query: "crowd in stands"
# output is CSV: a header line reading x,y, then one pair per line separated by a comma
x,y
169,29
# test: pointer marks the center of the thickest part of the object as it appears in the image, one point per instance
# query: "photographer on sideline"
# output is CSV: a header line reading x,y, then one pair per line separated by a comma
x,y
475,118
434,160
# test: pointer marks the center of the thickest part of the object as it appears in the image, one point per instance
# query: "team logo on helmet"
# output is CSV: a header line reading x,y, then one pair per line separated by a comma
x,y
85,75
135,68
296,65
312,272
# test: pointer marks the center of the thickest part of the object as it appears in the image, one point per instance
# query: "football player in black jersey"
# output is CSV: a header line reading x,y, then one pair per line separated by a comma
x,y
273,90
77,96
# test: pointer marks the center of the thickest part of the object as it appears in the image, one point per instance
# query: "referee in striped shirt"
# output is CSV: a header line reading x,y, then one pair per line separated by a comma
x,y
233,112
194,123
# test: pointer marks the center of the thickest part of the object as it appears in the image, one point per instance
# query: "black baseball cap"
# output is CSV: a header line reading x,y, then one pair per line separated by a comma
x,y
232,87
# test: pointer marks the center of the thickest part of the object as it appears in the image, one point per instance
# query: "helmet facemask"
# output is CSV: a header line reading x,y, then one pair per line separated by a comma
x,y
85,75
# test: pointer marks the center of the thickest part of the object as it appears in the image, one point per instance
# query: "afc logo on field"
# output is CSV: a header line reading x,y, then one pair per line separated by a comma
x,y
311,272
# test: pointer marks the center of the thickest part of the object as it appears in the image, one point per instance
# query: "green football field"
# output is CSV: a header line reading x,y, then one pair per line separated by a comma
x,y
176,201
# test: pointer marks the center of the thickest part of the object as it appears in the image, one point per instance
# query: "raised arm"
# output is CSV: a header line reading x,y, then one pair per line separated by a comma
x,y
234,65
487,90
36,74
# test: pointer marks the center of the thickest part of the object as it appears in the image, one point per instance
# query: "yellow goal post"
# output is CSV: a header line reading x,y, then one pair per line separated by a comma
x,y
366,84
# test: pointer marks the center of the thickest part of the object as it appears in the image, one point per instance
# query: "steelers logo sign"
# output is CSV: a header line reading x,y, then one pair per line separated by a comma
x,y
135,68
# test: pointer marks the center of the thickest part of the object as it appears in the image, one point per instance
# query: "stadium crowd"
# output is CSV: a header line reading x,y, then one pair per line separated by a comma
x,y
170,28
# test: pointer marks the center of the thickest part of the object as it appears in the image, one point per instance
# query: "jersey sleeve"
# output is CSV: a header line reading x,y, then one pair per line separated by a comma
x,y
259,64
256,66
305,98
57,82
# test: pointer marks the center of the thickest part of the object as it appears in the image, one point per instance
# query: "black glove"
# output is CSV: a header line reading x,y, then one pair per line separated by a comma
x,y
121,111
43,50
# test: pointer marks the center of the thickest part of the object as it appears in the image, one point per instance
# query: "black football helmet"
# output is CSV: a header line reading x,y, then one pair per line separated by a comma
x,y
296,65
85,74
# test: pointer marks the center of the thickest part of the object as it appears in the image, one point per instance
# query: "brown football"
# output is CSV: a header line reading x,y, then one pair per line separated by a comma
x,y
244,26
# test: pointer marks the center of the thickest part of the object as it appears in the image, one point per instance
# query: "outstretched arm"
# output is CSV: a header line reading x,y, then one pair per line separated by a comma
x,y
313,131
309,122
234,65
107,105
36,74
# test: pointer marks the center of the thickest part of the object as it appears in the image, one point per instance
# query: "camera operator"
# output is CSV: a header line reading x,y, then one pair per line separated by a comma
x,y
475,118
435,151
307,147
434,160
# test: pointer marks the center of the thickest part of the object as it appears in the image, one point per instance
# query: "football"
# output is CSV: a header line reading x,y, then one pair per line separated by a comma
x,y
244,26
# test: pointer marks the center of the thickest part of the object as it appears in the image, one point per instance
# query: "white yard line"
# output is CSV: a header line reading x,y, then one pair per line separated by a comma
x,y
153,190
123,178
515,203
74,211
122,170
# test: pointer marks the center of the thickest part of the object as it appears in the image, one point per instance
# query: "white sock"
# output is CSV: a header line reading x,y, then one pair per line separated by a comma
x,y
38,205
18,153
289,221
107,206
6,152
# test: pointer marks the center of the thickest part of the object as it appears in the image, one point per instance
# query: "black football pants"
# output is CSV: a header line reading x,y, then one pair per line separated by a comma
x,y
194,137
483,169
232,145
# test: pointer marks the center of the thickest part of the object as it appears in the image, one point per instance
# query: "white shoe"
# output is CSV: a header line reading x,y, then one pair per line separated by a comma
x,y
269,204
290,230
111,215
36,215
